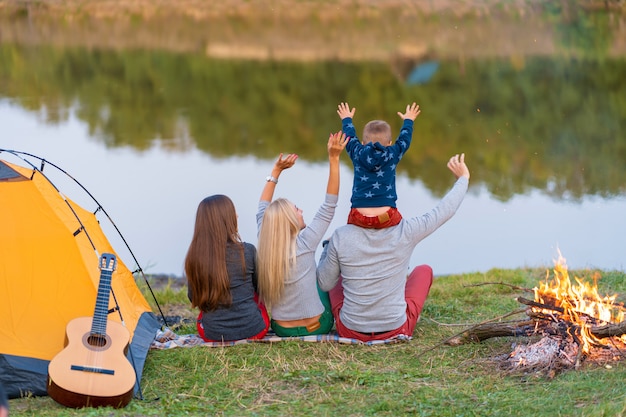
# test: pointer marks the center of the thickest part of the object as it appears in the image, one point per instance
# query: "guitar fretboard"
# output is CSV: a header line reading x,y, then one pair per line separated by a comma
x,y
99,323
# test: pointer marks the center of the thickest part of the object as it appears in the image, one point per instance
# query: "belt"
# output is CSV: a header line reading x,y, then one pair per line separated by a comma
x,y
313,326
384,218
310,328
374,333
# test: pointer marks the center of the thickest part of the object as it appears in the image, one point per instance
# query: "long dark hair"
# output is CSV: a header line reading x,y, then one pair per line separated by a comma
x,y
205,263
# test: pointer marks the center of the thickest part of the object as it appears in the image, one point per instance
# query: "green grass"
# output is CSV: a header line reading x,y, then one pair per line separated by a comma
x,y
422,377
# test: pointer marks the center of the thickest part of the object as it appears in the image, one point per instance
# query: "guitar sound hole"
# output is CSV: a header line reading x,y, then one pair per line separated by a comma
x,y
97,340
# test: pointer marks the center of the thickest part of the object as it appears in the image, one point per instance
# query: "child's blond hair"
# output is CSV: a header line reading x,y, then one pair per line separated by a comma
x,y
377,131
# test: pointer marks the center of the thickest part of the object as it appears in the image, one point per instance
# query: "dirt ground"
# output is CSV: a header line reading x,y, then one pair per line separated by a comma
x,y
202,9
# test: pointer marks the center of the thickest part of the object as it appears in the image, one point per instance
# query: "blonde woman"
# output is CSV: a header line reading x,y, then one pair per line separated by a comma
x,y
286,252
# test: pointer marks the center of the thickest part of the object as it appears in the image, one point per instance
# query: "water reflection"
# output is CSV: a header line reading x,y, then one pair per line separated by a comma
x,y
550,124
152,196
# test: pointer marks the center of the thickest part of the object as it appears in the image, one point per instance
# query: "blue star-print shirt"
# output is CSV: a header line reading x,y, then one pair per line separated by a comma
x,y
374,183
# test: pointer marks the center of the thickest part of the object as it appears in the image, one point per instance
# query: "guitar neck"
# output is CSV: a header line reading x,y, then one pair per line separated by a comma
x,y
101,311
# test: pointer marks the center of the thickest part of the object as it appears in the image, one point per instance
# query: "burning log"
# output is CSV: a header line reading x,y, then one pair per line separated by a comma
x,y
609,330
599,331
540,305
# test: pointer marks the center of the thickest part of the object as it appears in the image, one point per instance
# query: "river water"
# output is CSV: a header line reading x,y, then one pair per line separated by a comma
x,y
152,196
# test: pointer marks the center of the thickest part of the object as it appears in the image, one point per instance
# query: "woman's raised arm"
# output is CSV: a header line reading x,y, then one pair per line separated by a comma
x,y
336,144
279,166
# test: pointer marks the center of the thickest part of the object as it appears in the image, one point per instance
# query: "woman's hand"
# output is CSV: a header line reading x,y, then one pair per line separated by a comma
x,y
456,164
280,165
284,163
336,144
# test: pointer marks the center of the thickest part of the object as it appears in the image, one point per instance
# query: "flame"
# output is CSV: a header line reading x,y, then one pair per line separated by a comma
x,y
580,302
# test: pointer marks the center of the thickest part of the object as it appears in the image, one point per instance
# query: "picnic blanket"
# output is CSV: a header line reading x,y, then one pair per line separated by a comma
x,y
167,339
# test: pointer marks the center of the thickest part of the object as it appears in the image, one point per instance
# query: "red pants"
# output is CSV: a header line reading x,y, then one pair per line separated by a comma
x,y
390,218
417,287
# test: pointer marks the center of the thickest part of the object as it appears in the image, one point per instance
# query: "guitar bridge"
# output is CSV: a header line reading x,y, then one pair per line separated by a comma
x,y
92,369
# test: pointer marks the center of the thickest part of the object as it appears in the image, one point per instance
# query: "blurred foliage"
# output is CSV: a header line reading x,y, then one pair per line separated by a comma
x,y
552,124
577,29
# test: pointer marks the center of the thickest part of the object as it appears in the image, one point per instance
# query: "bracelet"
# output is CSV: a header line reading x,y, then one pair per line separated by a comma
x,y
272,179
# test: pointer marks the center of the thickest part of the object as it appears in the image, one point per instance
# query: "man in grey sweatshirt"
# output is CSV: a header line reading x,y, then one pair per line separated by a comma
x,y
365,270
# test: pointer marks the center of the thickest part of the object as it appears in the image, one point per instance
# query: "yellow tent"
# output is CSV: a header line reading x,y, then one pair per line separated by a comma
x,y
49,275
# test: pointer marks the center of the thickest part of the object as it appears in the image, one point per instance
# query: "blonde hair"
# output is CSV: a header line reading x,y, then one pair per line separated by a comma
x,y
276,254
377,131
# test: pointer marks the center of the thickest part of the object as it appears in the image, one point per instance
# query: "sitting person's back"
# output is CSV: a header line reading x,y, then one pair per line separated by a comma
x,y
286,257
222,276
365,270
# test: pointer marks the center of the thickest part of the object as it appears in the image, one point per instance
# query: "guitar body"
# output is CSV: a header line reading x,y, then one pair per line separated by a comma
x,y
92,370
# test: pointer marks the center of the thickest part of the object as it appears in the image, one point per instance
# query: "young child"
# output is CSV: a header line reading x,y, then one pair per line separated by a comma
x,y
375,160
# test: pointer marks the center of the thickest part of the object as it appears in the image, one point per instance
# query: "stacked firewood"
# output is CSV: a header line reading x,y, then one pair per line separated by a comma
x,y
556,339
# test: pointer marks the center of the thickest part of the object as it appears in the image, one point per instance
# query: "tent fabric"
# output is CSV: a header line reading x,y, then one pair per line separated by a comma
x,y
49,275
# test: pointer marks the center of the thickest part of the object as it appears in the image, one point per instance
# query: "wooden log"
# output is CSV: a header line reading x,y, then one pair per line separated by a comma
x,y
535,304
486,331
609,330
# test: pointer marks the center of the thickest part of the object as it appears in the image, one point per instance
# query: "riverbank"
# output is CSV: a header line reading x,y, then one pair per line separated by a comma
x,y
159,282
345,30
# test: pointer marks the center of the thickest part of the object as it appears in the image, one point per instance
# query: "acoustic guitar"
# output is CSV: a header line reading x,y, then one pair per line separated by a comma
x,y
92,369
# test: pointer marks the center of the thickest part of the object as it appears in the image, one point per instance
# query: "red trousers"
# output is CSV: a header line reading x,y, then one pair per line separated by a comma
x,y
417,287
390,218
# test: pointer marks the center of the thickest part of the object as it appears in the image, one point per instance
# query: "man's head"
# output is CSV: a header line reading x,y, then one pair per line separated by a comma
x,y
377,131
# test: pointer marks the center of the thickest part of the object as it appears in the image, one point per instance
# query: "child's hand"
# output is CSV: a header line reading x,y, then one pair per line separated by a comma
x,y
337,143
412,111
344,111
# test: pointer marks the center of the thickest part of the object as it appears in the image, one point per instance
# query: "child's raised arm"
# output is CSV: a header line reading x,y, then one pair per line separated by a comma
x,y
412,111
344,111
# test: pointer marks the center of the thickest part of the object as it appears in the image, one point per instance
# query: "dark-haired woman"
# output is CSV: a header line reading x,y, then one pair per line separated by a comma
x,y
222,276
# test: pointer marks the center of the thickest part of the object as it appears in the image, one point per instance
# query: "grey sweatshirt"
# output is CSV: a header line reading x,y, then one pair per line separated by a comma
x,y
373,264
300,298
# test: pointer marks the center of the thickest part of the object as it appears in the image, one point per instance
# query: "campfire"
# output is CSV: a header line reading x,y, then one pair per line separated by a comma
x,y
568,322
